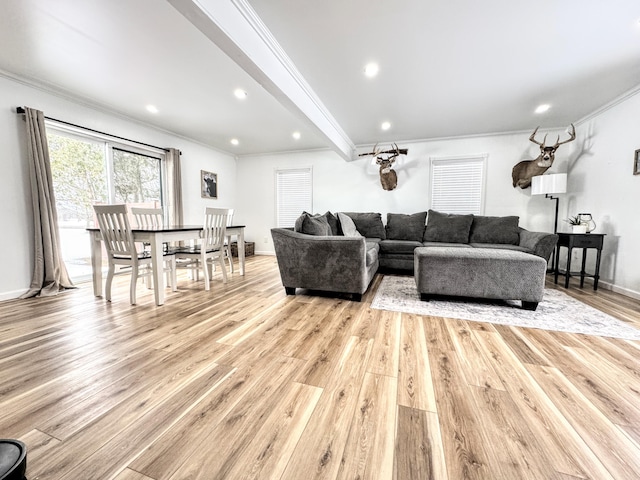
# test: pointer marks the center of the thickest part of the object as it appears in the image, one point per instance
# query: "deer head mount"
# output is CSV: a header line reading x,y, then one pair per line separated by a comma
x,y
386,159
523,171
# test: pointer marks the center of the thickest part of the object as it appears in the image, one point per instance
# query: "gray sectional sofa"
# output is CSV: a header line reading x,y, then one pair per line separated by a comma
x,y
343,252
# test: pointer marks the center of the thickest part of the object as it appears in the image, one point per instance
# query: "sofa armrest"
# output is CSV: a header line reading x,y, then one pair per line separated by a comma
x,y
331,263
539,243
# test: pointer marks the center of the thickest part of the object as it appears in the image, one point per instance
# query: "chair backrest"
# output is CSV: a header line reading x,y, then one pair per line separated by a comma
x,y
115,230
230,217
148,217
215,224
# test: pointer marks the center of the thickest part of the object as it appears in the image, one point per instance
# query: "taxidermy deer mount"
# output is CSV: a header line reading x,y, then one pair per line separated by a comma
x,y
523,171
388,176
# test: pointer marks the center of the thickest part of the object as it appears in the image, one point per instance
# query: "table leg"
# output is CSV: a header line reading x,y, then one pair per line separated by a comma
x,y
567,273
96,262
158,267
241,251
584,262
596,276
557,268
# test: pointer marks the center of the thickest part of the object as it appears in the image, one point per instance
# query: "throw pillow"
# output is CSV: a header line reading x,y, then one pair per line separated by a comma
x,y
348,227
333,223
495,230
316,225
368,224
406,227
447,227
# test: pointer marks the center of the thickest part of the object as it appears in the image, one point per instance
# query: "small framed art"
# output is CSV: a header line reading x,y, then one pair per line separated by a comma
x,y
636,163
209,184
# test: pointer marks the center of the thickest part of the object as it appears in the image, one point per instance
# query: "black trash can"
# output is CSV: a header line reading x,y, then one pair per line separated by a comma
x,y
13,459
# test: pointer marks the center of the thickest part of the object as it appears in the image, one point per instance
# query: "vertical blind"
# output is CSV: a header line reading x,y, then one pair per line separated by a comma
x,y
457,185
293,195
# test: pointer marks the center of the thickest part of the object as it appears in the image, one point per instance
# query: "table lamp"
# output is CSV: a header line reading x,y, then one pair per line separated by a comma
x,y
548,185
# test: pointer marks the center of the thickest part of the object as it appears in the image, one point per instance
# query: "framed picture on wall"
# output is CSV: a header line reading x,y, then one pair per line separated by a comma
x,y
208,184
636,163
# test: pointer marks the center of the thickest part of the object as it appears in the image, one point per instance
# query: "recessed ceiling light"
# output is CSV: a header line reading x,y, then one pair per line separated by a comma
x,y
385,125
543,108
371,70
234,141
152,109
296,135
240,94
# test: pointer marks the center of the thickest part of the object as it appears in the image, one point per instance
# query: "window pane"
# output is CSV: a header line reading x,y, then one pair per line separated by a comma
x,y
457,185
136,178
78,171
293,192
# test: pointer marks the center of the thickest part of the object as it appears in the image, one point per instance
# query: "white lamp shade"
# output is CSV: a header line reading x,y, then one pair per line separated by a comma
x,y
547,184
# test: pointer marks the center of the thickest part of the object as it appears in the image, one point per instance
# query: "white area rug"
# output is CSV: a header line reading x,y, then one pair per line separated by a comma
x,y
557,311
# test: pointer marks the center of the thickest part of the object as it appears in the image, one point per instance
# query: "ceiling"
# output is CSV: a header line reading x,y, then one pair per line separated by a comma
x,y
447,67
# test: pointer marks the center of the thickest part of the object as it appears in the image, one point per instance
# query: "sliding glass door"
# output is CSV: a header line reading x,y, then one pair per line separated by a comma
x,y
87,171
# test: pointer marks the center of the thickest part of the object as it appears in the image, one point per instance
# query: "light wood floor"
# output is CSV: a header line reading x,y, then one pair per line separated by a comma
x,y
245,382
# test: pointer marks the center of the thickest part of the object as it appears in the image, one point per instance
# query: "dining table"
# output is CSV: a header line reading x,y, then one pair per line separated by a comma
x,y
156,237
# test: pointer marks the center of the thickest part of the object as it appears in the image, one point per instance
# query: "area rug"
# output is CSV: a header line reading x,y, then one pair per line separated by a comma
x,y
557,311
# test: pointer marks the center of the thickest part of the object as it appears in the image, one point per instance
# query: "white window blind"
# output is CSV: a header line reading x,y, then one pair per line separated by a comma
x,y
293,195
457,184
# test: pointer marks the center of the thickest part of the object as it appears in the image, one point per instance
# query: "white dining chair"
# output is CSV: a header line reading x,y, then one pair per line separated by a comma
x,y
149,217
227,241
211,248
121,250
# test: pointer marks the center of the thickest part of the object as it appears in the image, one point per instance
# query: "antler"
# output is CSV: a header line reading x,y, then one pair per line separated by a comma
x,y
532,138
572,137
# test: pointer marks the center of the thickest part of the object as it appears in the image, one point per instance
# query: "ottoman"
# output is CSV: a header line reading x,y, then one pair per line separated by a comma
x,y
480,273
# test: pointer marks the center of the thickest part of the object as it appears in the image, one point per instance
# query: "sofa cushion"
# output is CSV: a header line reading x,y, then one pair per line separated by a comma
x,y
368,224
398,246
405,227
348,227
447,227
501,230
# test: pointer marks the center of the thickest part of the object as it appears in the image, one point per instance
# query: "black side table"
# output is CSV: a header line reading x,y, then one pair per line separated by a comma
x,y
583,241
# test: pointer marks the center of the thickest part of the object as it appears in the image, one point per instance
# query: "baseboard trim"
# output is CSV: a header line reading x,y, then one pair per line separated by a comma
x,y
11,295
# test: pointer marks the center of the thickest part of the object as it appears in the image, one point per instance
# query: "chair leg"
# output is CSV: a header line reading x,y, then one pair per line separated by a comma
x,y
132,285
174,277
107,289
227,252
205,270
223,267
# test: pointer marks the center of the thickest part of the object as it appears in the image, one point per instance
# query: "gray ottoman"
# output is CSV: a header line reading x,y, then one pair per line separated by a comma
x,y
480,273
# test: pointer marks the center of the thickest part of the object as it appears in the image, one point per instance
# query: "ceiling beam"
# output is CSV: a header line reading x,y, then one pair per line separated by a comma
x,y
238,31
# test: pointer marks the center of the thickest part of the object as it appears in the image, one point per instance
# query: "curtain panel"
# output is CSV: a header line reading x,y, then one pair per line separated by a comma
x,y
49,271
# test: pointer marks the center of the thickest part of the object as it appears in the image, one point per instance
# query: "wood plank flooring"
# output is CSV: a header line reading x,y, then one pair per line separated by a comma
x,y
244,382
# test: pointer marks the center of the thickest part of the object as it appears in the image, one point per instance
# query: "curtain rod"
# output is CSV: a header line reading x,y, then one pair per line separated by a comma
x,y
21,110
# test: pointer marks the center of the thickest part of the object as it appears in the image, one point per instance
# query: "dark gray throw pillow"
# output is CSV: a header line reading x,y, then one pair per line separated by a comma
x,y
333,223
502,230
447,227
316,225
368,224
406,227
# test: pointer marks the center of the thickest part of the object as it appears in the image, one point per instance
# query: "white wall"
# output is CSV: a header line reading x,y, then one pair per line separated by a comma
x,y
355,186
599,163
16,246
601,182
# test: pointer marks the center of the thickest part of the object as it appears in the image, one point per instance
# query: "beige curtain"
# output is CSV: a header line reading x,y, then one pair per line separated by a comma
x,y
174,183
49,272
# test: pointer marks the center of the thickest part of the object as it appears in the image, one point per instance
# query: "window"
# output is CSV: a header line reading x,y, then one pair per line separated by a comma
x,y
86,170
293,195
457,184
